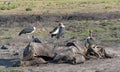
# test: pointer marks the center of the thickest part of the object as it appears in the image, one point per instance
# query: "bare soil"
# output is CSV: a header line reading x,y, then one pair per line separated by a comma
x,y
19,20
93,65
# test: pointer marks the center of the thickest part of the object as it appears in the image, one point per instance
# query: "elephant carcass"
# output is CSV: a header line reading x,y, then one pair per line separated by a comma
x,y
97,52
36,49
32,52
64,53
69,55
34,62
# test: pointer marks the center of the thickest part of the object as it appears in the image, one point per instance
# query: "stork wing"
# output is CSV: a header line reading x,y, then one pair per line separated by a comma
x,y
60,32
26,30
53,30
36,40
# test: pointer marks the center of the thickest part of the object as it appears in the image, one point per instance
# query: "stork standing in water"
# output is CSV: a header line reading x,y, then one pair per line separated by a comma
x,y
58,31
27,30
89,41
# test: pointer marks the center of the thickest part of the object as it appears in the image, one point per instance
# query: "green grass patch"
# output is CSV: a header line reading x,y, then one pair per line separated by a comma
x,y
59,6
28,9
11,69
69,34
8,34
73,28
8,7
111,40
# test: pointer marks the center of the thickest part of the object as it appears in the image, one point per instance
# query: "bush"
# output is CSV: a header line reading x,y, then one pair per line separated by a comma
x,y
28,9
8,7
2,8
108,7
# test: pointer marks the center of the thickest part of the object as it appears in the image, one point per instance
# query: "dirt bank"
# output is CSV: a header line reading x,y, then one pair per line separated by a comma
x,y
17,20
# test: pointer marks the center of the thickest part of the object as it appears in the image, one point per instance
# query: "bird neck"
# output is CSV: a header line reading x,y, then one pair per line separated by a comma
x,y
34,28
62,26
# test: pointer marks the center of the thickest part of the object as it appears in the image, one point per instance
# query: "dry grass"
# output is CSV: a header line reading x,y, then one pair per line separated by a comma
x,y
62,6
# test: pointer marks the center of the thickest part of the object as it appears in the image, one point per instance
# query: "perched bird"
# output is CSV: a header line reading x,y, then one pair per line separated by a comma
x,y
4,47
73,43
36,40
26,51
89,41
58,31
27,30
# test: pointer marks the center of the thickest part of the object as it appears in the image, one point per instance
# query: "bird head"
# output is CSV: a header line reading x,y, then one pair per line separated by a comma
x,y
90,33
61,25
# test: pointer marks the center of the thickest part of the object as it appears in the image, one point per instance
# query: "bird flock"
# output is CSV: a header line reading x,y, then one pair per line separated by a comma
x,y
57,32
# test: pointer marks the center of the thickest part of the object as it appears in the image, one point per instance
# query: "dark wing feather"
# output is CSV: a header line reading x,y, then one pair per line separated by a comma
x,y
26,50
89,41
53,30
26,30
36,40
21,33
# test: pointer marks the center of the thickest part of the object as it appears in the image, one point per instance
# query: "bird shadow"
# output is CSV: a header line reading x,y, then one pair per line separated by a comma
x,y
7,62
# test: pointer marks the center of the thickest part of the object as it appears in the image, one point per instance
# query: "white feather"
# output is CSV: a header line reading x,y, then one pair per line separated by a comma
x,y
34,29
56,31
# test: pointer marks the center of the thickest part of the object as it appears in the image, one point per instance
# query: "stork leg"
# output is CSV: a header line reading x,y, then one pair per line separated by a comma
x,y
29,38
55,44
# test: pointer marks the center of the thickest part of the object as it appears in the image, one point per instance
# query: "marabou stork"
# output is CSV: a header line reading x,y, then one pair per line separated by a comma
x,y
27,30
58,31
89,41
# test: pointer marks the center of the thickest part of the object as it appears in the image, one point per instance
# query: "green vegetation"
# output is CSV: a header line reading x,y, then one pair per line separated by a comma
x,y
8,7
108,33
8,34
28,9
77,28
59,6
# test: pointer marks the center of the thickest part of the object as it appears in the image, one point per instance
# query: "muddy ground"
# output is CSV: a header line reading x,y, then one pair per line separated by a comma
x,y
99,65
18,20
93,65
